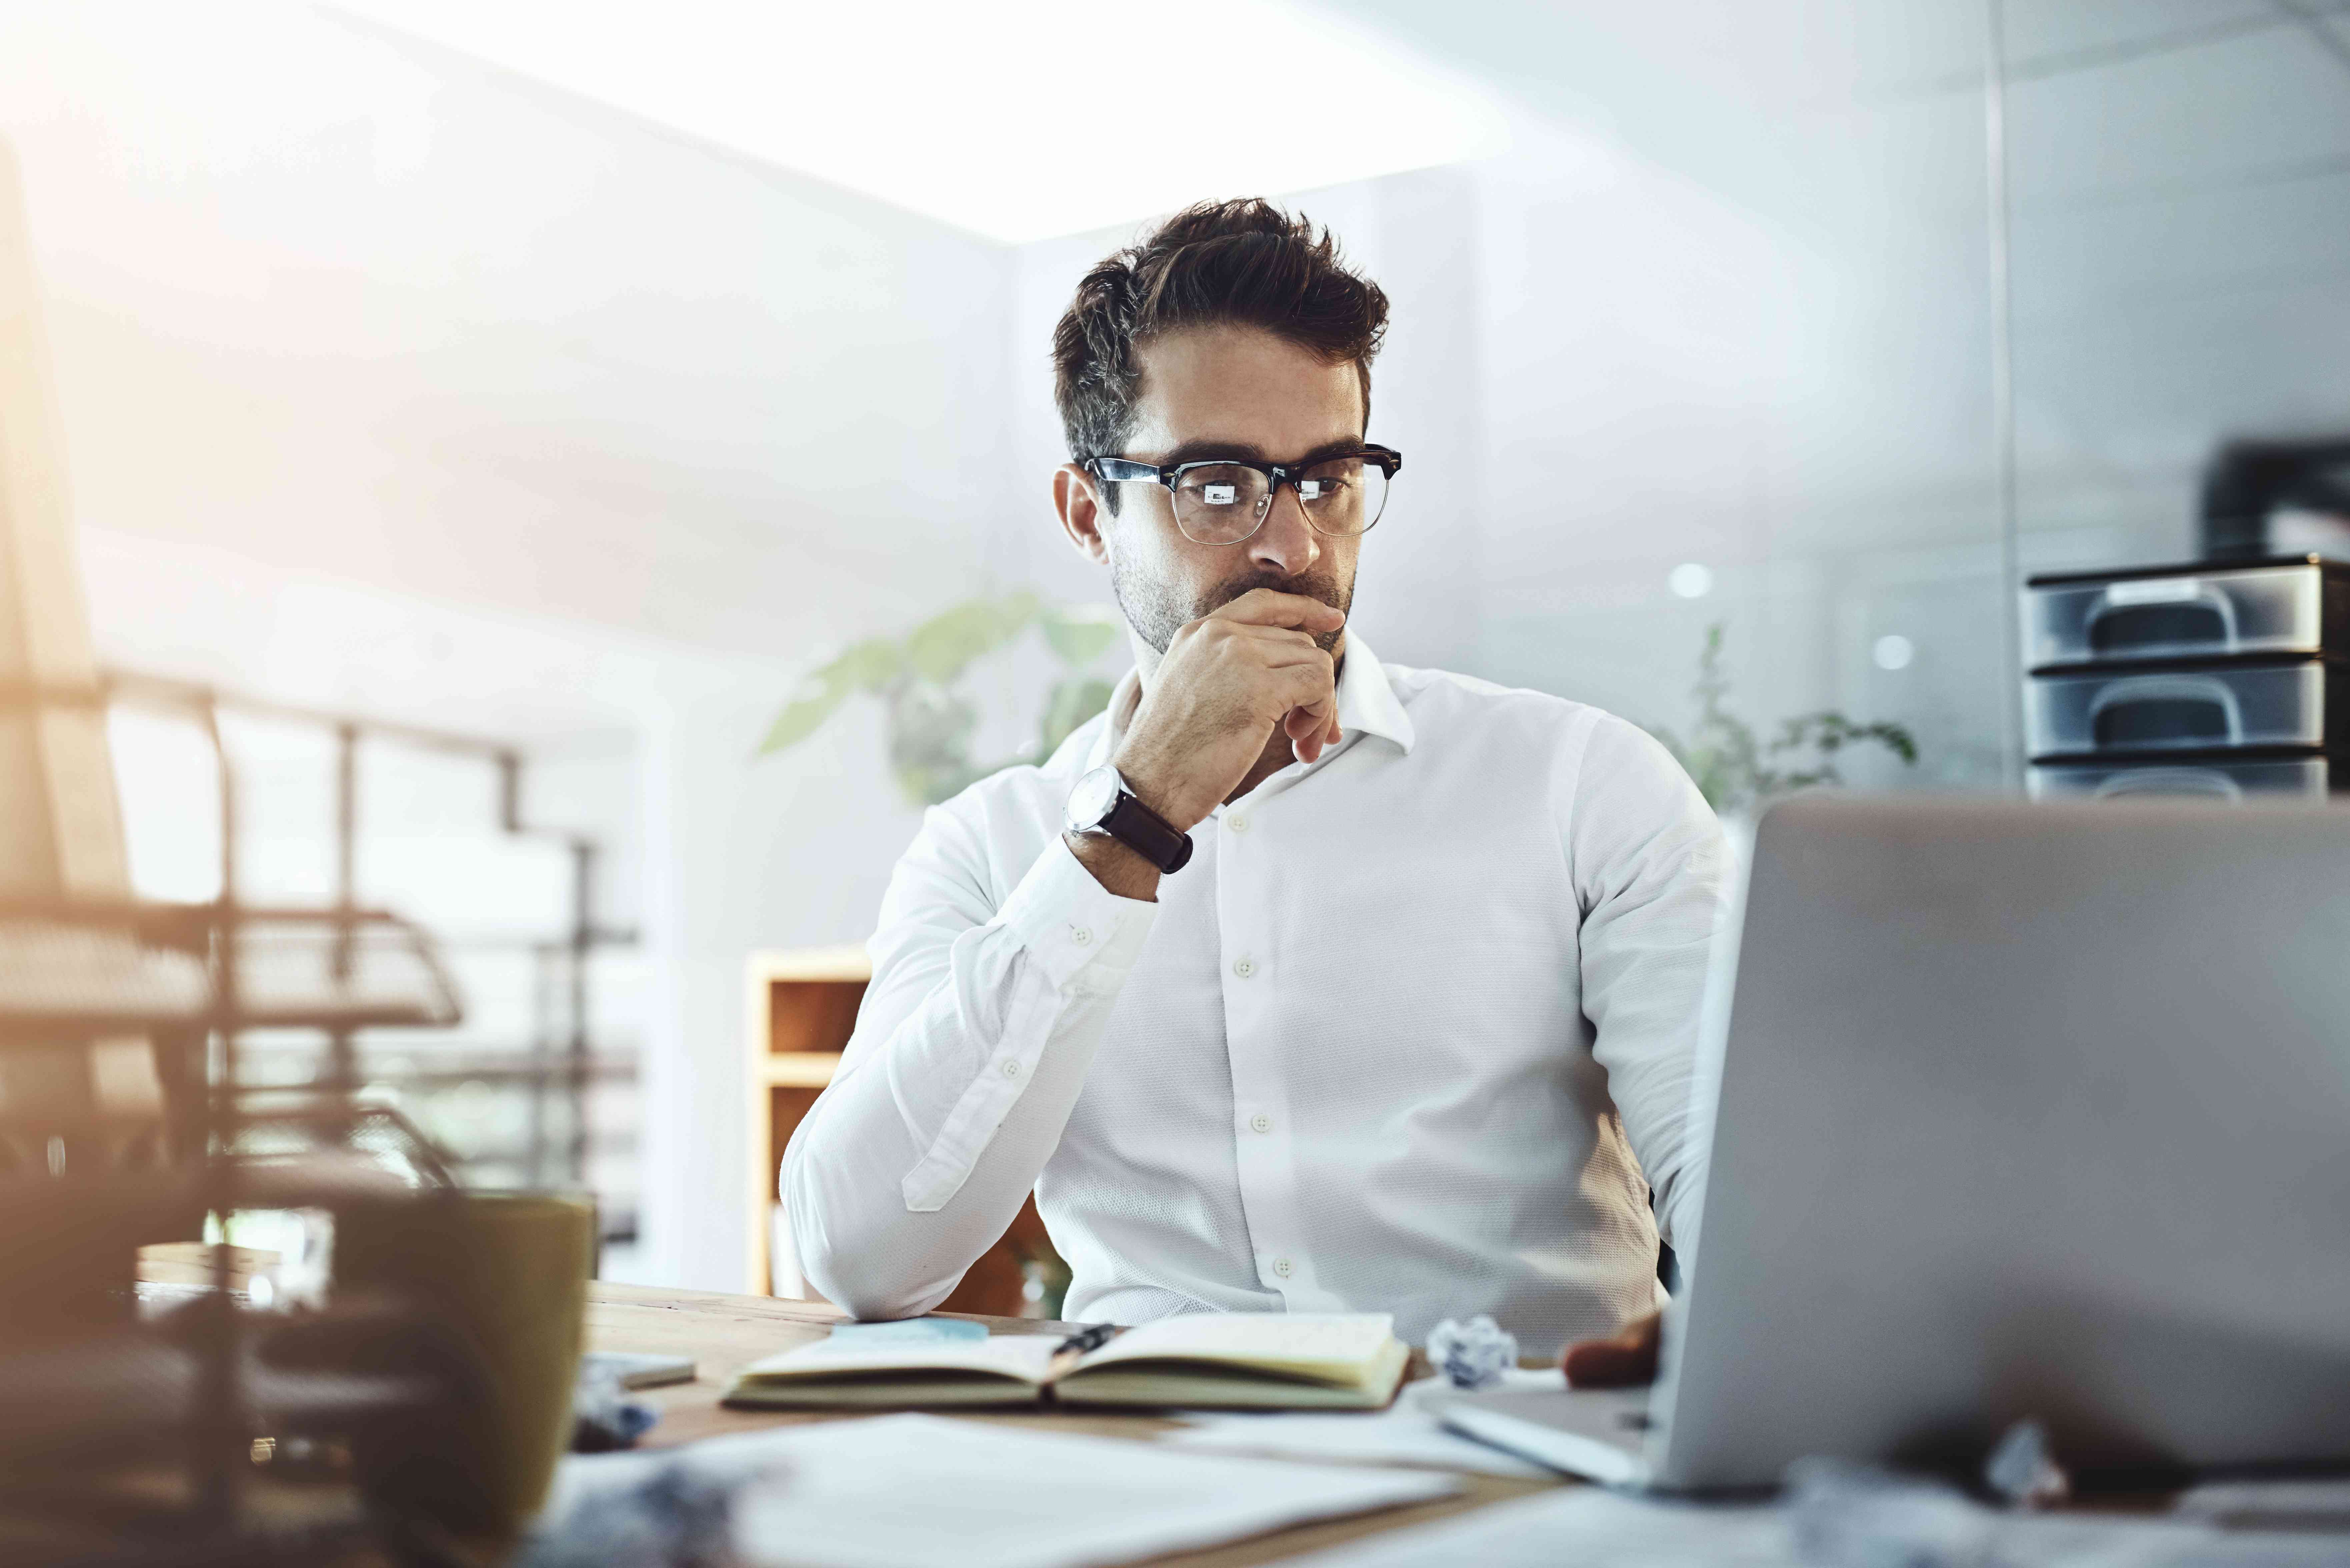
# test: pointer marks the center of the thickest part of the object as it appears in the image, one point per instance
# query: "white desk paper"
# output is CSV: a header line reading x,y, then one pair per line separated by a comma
x,y
1385,1438
913,1492
1584,1527
1406,1434
1402,1435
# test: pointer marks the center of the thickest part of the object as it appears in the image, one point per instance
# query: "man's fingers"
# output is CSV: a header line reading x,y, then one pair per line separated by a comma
x,y
1307,687
1305,728
1312,725
1280,644
1605,1364
1269,606
1626,1361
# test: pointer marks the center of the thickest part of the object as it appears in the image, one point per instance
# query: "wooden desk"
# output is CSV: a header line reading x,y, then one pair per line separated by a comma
x,y
723,1333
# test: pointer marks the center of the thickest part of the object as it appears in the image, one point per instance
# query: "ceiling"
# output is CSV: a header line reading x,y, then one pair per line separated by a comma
x,y
1016,123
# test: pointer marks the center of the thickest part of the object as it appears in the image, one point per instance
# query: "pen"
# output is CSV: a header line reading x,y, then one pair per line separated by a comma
x,y
1087,1339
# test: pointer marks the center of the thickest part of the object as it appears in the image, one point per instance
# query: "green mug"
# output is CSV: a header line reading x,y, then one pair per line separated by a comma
x,y
503,1277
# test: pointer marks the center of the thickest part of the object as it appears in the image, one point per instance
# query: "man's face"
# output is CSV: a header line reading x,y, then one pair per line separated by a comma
x,y
1230,391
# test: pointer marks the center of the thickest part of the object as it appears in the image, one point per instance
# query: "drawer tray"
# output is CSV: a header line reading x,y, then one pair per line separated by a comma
x,y
2204,777
2186,612
2202,707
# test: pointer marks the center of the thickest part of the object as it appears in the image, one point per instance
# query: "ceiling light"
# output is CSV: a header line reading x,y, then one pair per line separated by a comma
x,y
1014,121
1690,580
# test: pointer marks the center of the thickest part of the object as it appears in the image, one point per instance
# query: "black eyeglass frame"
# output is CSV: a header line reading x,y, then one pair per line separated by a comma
x,y
1126,470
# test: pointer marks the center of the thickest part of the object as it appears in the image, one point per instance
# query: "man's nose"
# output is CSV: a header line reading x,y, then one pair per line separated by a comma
x,y
1288,542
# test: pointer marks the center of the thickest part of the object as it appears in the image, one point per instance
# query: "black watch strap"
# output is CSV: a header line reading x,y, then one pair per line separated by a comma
x,y
1147,833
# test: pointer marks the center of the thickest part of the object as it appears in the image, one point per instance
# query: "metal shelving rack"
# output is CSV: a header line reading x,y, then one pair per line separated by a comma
x,y
129,1434
564,1062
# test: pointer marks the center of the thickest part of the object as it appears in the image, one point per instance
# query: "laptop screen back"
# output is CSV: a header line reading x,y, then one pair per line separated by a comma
x,y
2026,1111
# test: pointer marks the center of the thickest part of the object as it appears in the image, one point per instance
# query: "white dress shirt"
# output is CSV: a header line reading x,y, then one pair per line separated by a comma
x,y
1413,1032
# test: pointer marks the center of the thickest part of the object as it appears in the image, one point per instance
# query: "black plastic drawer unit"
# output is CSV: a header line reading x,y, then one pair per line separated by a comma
x,y
2207,777
2282,605
2199,707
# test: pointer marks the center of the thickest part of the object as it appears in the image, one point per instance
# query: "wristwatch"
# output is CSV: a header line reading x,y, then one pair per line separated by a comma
x,y
1102,804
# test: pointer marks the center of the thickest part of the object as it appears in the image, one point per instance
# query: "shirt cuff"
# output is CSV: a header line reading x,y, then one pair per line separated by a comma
x,y
1081,935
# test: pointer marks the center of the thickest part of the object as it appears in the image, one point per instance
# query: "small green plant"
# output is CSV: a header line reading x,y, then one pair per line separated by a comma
x,y
917,678
1735,771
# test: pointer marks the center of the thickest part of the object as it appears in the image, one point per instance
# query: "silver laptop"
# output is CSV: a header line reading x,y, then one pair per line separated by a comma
x,y
2018,1111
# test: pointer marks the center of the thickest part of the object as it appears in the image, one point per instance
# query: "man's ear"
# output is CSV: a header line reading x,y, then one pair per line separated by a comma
x,y
1079,505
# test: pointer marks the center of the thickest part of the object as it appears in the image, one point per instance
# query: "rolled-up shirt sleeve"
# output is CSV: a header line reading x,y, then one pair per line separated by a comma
x,y
969,1051
1650,869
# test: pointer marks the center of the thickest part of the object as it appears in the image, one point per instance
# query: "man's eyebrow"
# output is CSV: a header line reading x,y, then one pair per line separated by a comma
x,y
1202,451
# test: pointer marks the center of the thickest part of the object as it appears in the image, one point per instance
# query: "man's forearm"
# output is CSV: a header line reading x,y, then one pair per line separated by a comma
x,y
862,1244
971,1051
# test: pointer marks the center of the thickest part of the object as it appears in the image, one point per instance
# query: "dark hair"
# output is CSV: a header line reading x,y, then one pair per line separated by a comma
x,y
1243,263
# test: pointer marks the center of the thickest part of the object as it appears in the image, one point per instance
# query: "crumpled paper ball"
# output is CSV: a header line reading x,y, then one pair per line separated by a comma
x,y
1472,1355
603,1416
2023,1472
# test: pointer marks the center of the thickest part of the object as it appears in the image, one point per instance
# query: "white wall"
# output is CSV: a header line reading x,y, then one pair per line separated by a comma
x,y
394,384
426,327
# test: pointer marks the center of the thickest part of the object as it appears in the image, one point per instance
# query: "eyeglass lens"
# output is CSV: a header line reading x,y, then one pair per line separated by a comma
x,y
1223,503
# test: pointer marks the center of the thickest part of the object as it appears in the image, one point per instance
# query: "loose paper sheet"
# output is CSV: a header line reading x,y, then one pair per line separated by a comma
x,y
1583,1526
913,1492
1589,1527
1404,1434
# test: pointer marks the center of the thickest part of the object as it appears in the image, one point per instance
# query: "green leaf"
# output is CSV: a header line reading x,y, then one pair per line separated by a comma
x,y
799,720
866,666
1079,634
1897,740
1072,703
942,646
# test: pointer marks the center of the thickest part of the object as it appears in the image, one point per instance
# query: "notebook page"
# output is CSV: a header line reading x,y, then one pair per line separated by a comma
x,y
1254,1338
1026,1356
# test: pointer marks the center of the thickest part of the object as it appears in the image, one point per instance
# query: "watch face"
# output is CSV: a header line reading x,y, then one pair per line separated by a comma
x,y
1091,800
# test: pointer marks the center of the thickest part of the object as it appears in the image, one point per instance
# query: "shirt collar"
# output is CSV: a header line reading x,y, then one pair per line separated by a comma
x,y
1368,704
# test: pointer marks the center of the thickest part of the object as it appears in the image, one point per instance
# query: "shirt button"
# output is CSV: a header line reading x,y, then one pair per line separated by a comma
x,y
1237,822
1012,1069
1244,967
1281,1267
1261,1122
1080,936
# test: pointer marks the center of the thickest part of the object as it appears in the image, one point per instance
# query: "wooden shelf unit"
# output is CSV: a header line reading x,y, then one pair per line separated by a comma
x,y
799,1009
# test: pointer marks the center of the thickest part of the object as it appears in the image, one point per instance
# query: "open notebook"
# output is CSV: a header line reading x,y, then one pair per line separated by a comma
x,y
1273,1361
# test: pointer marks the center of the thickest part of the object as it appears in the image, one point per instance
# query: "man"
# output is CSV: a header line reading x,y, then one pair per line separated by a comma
x,y
1294,981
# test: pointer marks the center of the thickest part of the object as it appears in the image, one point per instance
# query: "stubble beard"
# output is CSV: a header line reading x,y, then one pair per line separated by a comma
x,y
1156,612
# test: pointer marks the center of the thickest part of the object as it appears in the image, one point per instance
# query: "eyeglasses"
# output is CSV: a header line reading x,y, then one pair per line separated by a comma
x,y
1224,501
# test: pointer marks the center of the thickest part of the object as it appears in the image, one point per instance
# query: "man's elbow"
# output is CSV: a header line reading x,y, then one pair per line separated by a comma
x,y
869,1298
854,1273
867,1293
